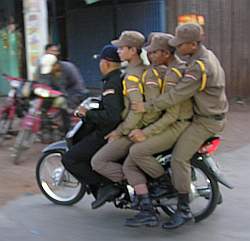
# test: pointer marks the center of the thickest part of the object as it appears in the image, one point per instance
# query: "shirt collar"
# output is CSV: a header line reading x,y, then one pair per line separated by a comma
x,y
110,74
198,54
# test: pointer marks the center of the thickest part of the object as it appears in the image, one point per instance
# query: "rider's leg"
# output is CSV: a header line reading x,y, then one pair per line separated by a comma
x,y
61,102
147,215
187,145
106,163
77,159
106,160
142,155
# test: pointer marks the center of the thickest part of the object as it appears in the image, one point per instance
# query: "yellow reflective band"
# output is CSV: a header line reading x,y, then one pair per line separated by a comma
x,y
124,91
178,72
204,74
141,88
133,78
160,81
136,80
144,75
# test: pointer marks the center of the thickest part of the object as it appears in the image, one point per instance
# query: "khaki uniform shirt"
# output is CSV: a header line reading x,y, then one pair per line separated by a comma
x,y
178,112
140,82
153,80
133,92
207,103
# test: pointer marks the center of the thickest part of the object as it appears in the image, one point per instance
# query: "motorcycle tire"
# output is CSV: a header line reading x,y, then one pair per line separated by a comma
x,y
5,125
24,140
57,181
212,200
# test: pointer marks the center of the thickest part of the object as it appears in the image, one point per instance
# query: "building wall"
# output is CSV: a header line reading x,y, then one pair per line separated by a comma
x,y
227,34
90,28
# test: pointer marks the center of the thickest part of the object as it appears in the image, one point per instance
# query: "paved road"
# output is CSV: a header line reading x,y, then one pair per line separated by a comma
x,y
34,218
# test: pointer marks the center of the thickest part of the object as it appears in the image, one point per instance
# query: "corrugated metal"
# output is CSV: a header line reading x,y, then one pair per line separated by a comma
x,y
145,16
227,34
88,29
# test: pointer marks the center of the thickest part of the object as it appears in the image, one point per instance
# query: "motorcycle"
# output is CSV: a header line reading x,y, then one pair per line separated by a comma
x,y
60,187
40,121
14,106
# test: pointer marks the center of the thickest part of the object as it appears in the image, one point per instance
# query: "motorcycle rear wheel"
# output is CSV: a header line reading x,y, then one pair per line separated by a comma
x,y
57,184
205,196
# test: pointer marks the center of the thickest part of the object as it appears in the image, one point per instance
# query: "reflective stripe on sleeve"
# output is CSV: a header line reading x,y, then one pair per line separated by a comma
x,y
133,78
177,72
132,89
204,75
160,81
124,89
191,76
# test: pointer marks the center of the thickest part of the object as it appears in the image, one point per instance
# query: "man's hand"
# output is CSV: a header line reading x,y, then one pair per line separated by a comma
x,y
113,135
137,135
138,107
80,111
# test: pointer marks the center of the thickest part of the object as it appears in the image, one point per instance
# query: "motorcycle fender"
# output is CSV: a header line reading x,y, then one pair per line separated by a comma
x,y
210,163
59,145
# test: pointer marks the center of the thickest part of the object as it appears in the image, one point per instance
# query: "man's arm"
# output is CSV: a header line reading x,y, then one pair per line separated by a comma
x,y
112,108
132,119
185,89
168,118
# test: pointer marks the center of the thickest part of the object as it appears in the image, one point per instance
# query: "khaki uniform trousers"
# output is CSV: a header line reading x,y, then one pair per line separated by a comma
x,y
108,160
141,160
187,145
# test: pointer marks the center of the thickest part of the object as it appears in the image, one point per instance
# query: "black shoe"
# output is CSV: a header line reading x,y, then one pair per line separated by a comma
x,y
94,190
104,194
135,202
182,215
177,220
162,186
147,215
143,218
159,191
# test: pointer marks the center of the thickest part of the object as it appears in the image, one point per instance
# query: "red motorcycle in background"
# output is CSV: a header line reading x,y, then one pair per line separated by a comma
x,y
14,106
40,122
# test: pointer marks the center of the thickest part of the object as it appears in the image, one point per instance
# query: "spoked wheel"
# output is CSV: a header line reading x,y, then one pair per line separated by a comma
x,y
58,185
5,125
24,140
204,193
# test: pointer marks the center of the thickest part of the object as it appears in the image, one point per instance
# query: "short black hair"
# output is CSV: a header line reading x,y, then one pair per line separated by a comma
x,y
47,46
172,49
138,51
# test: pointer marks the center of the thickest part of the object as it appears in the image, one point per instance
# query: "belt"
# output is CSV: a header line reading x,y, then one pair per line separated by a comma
x,y
215,117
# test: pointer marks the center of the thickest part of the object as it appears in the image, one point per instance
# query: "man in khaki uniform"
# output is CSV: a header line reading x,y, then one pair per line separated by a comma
x,y
204,82
157,137
136,85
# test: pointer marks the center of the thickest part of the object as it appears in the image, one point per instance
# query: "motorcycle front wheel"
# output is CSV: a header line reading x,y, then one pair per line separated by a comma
x,y
204,194
55,182
5,125
24,140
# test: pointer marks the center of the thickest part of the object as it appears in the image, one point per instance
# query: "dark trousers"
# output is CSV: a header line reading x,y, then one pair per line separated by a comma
x,y
77,159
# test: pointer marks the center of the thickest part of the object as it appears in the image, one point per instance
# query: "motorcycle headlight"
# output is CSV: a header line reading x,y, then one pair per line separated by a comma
x,y
15,83
42,92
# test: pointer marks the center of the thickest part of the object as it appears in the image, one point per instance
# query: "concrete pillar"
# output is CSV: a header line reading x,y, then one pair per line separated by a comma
x,y
36,32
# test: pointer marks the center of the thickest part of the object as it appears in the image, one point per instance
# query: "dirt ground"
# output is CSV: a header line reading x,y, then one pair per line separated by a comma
x,y
20,180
